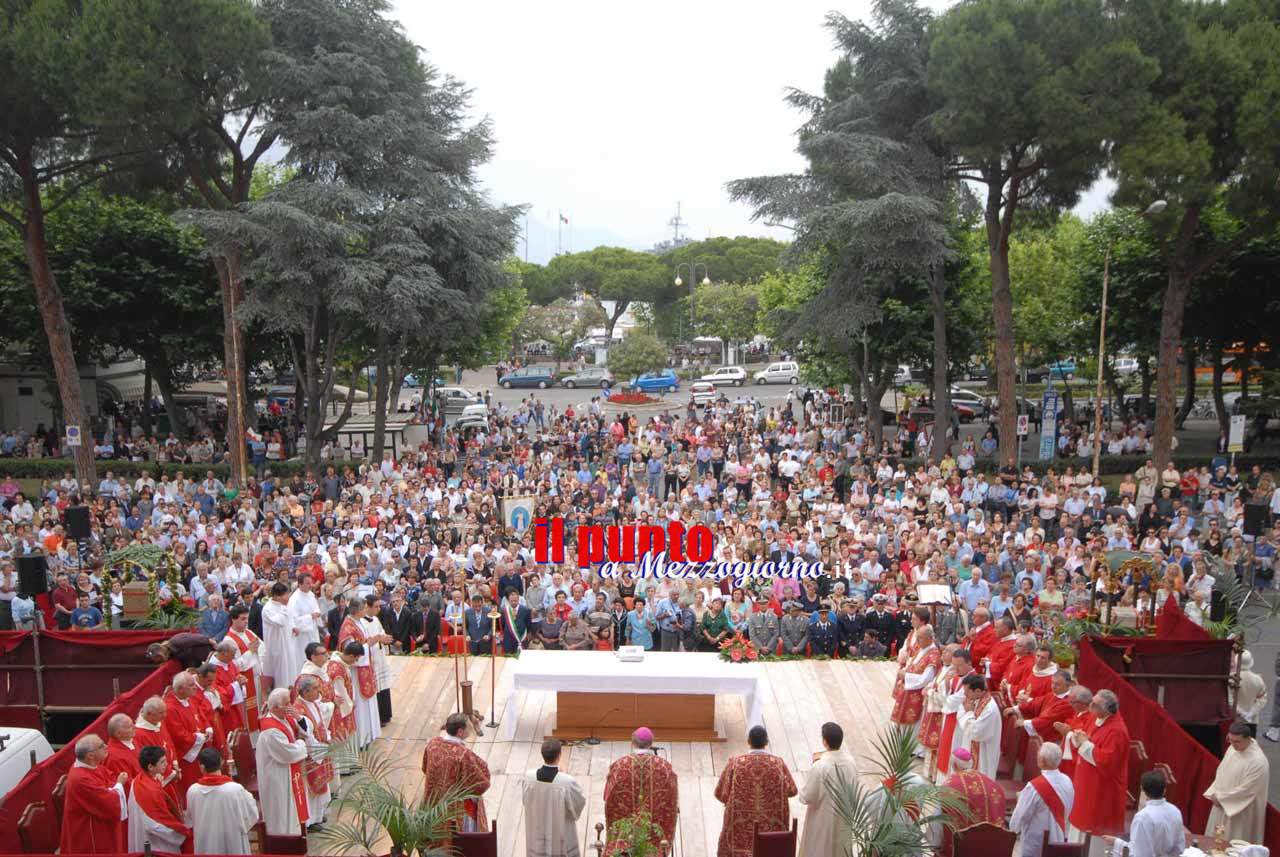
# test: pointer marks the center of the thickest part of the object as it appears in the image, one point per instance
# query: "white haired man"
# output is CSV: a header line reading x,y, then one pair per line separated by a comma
x,y
188,729
1044,804
280,752
95,804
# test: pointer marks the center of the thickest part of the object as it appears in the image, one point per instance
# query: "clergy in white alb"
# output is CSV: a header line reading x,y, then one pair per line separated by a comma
x,y
281,655
154,817
1239,790
364,678
1044,804
305,610
314,716
978,725
1156,829
823,834
220,811
553,803
378,641
280,753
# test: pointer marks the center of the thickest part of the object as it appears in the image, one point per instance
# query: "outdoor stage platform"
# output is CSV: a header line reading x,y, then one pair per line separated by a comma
x,y
797,697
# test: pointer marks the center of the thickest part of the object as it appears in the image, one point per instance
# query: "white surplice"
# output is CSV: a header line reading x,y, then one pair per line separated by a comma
x,y
274,754
1241,789
551,813
317,713
281,658
221,817
368,721
1031,817
1156,831
372,627
982,729
823,834
302,607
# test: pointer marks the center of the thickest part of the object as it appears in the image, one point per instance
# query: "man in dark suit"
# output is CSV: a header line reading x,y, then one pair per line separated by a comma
x,y
427,637
333,622
479,627
822,633
880,620
848,629
510,579
398,620
516,620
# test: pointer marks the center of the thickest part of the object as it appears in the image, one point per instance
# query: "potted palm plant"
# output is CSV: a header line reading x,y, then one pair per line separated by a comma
x,y
374,812
905,815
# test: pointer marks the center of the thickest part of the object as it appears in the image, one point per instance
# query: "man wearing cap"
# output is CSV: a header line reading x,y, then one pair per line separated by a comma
x,y
848,629
879,619
762,627
823,635
795,630
642,780
985,799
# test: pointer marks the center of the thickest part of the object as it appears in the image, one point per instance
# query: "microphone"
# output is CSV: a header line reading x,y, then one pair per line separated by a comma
x,y
592,740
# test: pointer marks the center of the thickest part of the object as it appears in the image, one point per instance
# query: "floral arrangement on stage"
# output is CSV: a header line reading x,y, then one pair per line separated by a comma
x,y
739,649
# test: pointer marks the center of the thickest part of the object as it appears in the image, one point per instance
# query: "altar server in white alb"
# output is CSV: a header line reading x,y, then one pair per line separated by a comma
x,y
221,812
1156,830
553,803
1239,789
1043,804
281,655
280,754
305,612
978,725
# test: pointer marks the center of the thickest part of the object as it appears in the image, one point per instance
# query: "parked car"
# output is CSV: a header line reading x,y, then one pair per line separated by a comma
x,y
589,376
1062,370
455,399
1126,365
784,372
924,413
541,377
702,392
473,416
902,375
735,375
657,382
976,372
970,399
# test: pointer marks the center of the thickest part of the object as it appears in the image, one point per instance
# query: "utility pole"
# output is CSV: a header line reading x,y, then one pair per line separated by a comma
x,y
675,223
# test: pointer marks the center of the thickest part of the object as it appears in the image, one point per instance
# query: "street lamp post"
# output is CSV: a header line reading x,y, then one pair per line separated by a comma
x,y
692,268
1154,208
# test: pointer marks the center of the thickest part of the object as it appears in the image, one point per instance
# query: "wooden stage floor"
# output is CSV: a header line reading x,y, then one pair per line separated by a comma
x,y
799,696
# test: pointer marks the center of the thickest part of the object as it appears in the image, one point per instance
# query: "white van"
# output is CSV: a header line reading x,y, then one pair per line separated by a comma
x,y
784,372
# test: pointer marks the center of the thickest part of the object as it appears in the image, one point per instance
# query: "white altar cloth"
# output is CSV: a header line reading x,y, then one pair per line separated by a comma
x,y
659,672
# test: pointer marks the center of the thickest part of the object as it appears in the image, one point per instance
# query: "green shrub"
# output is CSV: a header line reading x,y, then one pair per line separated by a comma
x,y
56,468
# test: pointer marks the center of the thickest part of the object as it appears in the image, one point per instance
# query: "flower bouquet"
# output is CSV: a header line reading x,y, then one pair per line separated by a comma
x,y
738,649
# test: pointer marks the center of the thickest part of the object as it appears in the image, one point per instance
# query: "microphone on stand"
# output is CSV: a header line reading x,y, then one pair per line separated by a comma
x,y
592,740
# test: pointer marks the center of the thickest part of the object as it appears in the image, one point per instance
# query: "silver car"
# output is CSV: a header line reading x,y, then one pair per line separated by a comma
x,y
589,376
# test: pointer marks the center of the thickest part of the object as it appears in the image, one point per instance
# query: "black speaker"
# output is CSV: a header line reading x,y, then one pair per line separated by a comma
x,y
1256,517
33,578
77,521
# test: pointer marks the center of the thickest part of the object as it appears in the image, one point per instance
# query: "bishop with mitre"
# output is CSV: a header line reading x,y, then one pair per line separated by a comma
x,y
639,781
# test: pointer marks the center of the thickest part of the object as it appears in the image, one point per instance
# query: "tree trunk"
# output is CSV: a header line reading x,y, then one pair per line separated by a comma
x,y
1147,378
380,388
1002,313
162,373
1171,312
941,389
1188,382
1219,404
147,396
56,329
1245,362
229,277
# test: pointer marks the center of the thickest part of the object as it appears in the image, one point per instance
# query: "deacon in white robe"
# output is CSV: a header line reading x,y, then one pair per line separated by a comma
x,y
315,715
1032,815
377,643
368,723
277,751
221,812
304,609
978,726
1239,790
553,803
822,834
282,658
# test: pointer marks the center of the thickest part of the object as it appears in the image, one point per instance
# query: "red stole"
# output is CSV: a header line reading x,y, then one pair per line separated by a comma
x,y
949,727
1052,800
974,747
365,676
295,768
251,688
342,725
158,804
318,773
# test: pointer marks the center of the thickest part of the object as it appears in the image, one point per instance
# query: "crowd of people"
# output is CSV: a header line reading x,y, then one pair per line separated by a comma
x,y
314,580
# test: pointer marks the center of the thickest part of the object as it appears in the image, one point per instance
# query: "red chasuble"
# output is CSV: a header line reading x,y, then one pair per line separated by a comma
x,y
153,799
754,789
224,682
980,644
122,759
1044,711
1076,721
642,781
1100,786
908,705
212,717
296,784
448,764
91,813
985,799
145,735
1001,657
243,643
182,723
318,774
1018,673
931,721
365,675
341,727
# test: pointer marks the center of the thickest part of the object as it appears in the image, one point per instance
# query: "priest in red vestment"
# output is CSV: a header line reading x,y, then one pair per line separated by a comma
x,y
1081,699
985,799
981,638
1102,769
754,790
187,729
952,703
1039,681
338,670
230,684
1037,716
448,763
247,644
642,780
150,730
1015,676
154,816
934,700
95,803
913,677
1001,654
209,701
122,750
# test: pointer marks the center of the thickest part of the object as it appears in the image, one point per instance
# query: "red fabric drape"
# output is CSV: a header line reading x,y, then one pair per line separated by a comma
x,y
11,640
1191,700
1173,624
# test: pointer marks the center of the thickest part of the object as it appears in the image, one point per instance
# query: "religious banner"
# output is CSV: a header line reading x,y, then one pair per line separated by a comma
x,y
517,512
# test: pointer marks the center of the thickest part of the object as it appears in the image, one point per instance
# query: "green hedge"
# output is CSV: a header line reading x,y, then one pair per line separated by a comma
x,y
1113,465
55,468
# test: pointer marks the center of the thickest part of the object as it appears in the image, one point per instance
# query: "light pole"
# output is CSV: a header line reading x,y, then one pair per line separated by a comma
x,y
692,268
1154,208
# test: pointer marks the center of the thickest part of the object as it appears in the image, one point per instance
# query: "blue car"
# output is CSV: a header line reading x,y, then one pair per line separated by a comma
x,y
665,381
541,377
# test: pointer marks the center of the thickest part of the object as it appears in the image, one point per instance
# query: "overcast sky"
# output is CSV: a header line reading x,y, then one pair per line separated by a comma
x,y
614,113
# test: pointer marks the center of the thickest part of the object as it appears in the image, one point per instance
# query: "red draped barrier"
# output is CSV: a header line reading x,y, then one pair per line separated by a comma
x,y
1173,624
1187,700
1193,766
38,784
